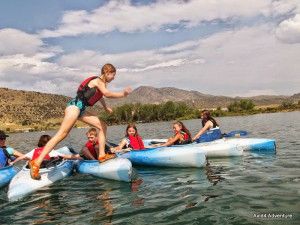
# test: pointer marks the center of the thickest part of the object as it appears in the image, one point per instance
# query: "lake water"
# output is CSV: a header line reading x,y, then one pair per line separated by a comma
x,y
252,189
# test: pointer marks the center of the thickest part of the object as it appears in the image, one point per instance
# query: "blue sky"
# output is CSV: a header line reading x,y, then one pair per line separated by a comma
x,y
226,47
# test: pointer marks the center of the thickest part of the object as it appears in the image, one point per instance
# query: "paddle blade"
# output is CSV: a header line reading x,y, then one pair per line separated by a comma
x,y
236,133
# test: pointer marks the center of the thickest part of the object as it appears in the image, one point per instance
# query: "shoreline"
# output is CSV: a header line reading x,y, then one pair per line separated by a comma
x,y
17,128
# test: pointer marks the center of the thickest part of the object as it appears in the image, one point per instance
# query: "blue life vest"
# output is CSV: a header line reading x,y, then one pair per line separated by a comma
x,y
3,158
210,135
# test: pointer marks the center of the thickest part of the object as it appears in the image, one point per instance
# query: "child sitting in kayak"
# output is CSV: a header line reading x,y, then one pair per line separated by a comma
x,y
182,136
90,151
132,140
53,155
208,124
8,155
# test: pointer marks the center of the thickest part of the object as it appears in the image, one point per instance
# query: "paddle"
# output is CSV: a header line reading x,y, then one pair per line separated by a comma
x,y
111,144
236,133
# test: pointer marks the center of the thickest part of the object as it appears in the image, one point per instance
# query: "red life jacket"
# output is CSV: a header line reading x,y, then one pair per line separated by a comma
x,y
136,142
186,138
88,95
37,153
92,148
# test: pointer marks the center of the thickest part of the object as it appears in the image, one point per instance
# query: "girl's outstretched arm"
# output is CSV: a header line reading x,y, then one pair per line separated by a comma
x,y
119,148
23,157
172,140
109,94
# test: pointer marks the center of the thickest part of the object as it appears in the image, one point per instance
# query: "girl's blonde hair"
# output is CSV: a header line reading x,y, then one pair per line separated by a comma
x,y
108,68
92,131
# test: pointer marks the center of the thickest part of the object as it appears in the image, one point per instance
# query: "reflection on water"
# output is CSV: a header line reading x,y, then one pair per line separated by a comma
x,y
225,191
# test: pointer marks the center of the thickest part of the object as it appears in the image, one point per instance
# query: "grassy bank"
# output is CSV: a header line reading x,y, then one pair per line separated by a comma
x,y
157,112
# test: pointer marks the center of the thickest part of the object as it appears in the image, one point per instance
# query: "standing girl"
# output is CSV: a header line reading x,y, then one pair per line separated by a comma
x,y
89,92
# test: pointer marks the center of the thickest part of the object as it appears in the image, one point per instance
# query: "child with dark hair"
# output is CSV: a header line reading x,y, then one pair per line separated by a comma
x,y
181,135
132,140
208,124
7,154
35,153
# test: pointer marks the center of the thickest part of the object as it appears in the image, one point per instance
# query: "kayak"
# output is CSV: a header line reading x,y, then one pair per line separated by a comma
x,y
174,156
115,169
226,147
6,174
22,184
252,144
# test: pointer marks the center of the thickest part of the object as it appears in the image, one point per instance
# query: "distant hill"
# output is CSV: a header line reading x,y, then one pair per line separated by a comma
x,y
146,94
29,107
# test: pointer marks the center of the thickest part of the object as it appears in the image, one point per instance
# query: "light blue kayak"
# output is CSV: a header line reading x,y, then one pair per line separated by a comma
x,y
114,169
174,156
6,174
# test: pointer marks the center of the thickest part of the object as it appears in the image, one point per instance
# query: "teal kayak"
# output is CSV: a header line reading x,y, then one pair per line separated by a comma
x,y
6,174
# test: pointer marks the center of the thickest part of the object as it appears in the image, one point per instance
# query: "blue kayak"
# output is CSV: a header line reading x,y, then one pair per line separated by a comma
x,y
6,174
113,169
173,156
251,144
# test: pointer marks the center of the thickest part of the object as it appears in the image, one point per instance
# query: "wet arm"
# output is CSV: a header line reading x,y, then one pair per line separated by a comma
x,y
205,128
121,145
172,140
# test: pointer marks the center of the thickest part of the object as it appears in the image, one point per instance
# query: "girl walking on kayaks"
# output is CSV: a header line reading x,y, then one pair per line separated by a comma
x,y
89,92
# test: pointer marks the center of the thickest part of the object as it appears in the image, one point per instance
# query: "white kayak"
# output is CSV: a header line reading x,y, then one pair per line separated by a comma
x,y
226,147
174,156
22,184
113,169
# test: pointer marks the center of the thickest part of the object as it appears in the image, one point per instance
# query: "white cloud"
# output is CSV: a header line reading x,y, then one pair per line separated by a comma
x,y
14,41
123,16
25,64
289,30
243,61
249,61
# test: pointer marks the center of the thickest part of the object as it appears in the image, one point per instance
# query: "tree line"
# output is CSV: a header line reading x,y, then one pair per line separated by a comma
x,y
181,111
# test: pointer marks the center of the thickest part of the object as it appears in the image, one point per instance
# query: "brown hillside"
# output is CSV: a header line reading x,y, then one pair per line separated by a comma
x,y
29,107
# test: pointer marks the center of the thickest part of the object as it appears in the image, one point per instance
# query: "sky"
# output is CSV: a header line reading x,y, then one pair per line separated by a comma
x,y
218,47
